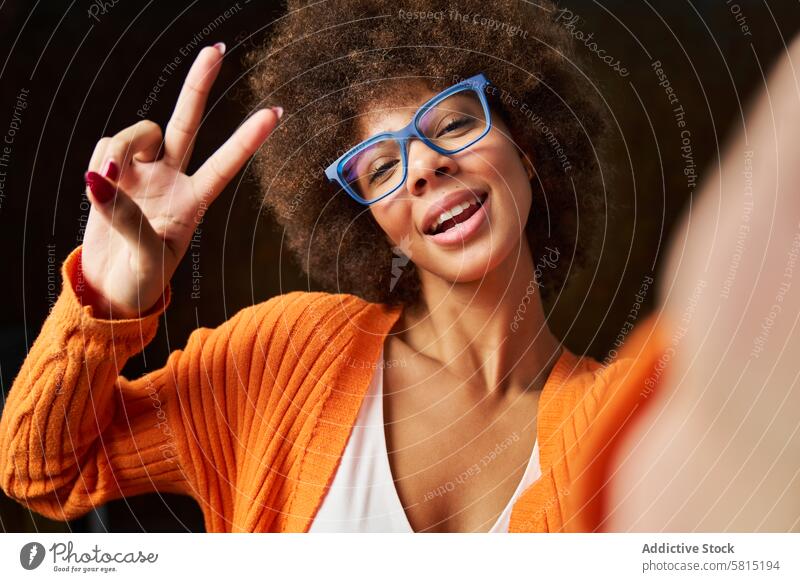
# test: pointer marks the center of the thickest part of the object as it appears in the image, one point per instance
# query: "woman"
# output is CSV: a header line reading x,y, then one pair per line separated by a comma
x,y
269,421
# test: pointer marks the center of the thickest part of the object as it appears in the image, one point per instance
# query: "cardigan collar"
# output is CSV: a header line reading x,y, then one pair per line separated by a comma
x,y
340,408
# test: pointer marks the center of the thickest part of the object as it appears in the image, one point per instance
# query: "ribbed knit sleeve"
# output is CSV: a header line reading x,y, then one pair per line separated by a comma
x,y
75,433
629,391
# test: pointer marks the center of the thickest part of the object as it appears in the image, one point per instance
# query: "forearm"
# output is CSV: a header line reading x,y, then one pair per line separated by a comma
x,y
719,449
63,399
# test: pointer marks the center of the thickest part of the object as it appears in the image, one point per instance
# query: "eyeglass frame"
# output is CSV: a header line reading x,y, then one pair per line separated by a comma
x,y
334,172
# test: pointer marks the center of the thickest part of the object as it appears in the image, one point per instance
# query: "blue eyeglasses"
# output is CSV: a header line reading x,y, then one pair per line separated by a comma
x,y
448,123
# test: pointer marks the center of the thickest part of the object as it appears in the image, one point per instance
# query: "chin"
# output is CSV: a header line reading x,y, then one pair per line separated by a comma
x,y
473,262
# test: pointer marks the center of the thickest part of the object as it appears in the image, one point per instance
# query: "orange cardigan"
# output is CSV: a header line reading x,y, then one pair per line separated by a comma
x,y
251,418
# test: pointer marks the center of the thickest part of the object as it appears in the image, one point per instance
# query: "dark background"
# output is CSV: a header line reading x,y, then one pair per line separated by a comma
x,y
88,77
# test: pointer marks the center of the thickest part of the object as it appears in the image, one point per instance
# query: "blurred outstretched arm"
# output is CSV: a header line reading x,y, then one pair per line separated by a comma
x,y
718,448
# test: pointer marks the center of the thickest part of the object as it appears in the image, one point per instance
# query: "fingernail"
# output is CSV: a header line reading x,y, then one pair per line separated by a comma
x,y
278,111
110,170
100,187
220,46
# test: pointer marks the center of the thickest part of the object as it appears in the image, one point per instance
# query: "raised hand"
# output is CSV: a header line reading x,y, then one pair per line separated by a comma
x,y
145,208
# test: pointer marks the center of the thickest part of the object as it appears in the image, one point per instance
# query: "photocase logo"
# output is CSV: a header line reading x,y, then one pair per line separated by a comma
x,y
402,252
31,555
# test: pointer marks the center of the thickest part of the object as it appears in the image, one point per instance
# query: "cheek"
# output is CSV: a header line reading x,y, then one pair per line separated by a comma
x,y
506,173
394,217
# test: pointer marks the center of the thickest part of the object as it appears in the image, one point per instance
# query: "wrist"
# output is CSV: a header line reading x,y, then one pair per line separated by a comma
x,y
89,296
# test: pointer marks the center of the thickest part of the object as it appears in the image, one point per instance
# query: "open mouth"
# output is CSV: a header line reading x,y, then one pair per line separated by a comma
x,y
457,215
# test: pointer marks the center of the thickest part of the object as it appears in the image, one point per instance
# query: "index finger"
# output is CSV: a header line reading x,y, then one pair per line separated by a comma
x,y
185,121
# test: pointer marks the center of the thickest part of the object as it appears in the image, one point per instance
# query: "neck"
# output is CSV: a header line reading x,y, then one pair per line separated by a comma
x,y
491,332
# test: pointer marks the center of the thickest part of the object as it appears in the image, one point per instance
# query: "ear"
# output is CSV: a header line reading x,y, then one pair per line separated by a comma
x,y
526,161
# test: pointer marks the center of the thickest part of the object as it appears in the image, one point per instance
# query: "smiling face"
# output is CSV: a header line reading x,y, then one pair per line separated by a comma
x,y
457,216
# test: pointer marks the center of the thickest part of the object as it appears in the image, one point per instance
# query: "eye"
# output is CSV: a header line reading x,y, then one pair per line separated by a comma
x,y
382,171
455,124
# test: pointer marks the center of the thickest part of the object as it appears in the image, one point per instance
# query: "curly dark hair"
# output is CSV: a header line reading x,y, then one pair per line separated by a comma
x,y
326,61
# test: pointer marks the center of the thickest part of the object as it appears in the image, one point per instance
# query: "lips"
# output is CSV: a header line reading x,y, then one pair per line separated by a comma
x,y
461,233
453,209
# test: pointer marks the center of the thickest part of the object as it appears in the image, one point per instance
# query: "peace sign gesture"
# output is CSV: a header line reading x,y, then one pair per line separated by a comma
x,y
145,210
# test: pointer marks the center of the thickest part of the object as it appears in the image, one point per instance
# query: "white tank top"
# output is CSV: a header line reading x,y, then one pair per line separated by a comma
x,y
362,496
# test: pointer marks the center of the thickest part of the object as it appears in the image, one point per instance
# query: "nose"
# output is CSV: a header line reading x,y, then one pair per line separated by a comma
x,y
425,166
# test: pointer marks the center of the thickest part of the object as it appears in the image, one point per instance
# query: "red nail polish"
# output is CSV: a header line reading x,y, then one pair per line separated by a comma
x,y
100,187
110,170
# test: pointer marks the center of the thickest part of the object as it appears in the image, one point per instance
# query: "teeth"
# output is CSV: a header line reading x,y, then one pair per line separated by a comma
x,y
455,211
